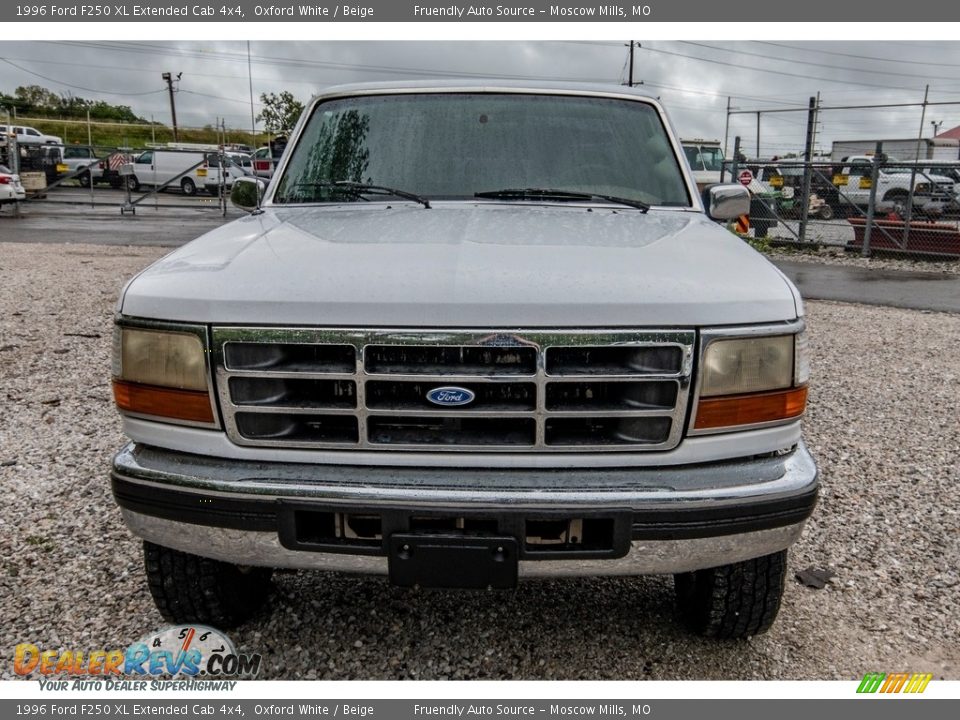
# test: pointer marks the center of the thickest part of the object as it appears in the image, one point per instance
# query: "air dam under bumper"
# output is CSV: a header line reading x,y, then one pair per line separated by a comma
x,y
644,520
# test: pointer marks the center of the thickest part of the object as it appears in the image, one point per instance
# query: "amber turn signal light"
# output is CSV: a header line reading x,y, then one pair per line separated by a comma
x,y
733,410
192,405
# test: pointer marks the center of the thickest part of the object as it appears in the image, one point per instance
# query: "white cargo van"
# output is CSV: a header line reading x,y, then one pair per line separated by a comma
x,y
153,168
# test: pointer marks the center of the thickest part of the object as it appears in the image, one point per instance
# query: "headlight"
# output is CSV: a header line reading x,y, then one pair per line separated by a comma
x,y
747,365
750,381
161,373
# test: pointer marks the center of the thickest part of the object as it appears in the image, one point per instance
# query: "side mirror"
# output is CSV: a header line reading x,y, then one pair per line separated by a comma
x,y
246,193
727,201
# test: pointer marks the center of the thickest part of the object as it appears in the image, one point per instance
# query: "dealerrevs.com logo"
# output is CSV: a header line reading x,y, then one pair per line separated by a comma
x,y
177,651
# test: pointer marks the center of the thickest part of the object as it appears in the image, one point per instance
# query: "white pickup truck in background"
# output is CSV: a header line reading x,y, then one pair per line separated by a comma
x,y
893,183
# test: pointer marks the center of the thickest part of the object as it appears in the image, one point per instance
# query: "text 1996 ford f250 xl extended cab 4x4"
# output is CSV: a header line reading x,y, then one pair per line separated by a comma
x,y
470,333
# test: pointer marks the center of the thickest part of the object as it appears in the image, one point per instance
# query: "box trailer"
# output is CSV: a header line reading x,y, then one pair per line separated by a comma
x,y
907,150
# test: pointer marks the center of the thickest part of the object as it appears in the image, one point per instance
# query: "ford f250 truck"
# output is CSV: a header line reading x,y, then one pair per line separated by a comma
x,y
470,333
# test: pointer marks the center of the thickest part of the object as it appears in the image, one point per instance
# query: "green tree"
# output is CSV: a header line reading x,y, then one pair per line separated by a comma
x,y
34,97
280,112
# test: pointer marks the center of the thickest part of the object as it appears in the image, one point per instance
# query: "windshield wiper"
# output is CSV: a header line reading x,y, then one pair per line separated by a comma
x,y
551,194
359,188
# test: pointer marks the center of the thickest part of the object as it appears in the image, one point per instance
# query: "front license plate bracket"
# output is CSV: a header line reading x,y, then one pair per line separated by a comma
x,y
453,561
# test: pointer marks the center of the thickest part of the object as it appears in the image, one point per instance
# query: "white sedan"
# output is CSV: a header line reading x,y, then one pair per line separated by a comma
x,y
10,188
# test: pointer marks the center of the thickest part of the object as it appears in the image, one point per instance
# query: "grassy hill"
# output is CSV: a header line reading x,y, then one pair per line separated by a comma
x,y
112,134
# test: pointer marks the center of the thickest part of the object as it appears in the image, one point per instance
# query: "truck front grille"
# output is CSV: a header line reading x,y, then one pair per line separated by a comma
x,y
544,391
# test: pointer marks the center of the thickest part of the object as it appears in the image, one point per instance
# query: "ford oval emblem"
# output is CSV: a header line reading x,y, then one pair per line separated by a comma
x,y
450,396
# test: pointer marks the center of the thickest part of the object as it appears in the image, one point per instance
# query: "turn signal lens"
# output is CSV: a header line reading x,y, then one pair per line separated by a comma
x,y
733,410
191,405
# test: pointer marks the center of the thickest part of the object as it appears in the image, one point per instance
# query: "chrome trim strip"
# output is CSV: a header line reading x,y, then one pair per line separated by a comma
x,y
694,450
646,557
638,489
540,341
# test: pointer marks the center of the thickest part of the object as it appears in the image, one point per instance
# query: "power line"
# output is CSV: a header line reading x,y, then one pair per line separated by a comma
x,y
816,64
774,72
78,87
858,57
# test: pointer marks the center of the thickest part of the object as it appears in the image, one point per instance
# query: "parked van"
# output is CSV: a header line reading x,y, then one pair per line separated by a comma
x,y
153,168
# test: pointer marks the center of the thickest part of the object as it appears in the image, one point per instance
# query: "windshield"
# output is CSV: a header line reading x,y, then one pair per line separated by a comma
x,y
454,145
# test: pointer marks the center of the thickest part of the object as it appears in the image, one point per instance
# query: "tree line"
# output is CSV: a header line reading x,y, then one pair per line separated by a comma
x,y
37,101
279,111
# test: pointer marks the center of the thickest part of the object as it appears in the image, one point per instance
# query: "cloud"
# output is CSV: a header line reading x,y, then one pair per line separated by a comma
x,y
694,79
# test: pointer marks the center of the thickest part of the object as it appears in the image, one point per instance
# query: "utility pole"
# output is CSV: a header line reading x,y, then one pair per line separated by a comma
x,y
908,215
936,126
630,82
758,135
173,106
807,170
726,131
816,123
253,123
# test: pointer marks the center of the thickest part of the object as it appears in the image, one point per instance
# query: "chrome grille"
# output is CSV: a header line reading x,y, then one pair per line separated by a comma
x,y
543,391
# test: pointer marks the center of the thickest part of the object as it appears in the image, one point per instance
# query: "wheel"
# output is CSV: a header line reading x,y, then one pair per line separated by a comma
x,y
192,589
84,179
188,186
896,196
825,212
133,183
733,601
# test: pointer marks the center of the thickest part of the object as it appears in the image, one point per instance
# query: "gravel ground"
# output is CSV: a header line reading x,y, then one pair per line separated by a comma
x,y
837,256
882,424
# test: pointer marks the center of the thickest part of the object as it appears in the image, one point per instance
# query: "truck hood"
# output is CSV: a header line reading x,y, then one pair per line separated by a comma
x,y
478,264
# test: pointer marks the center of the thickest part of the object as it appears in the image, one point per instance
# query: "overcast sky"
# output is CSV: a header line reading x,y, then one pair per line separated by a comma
x,y
694,78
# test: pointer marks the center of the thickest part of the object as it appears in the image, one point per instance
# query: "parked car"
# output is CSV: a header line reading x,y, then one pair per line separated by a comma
x,y
81,157
30,136
10,188
475,331
236,165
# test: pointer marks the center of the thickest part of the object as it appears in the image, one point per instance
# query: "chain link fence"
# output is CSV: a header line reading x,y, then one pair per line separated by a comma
x,y
869,204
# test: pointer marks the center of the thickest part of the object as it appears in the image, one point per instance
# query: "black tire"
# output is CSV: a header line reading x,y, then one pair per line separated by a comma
x,y
133,183
84,179
188,186
825,212
192,589
733,601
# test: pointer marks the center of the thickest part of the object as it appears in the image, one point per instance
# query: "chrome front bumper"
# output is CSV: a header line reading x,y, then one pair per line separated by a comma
x,y
683,518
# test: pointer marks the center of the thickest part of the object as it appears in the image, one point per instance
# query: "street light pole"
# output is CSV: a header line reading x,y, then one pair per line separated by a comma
x,y
173,106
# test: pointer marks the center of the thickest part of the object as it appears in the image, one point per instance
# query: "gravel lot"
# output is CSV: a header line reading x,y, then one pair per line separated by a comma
x,y
837,256
882,425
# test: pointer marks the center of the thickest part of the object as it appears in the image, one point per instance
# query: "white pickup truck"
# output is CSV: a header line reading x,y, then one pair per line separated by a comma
x,y
893,183
470,333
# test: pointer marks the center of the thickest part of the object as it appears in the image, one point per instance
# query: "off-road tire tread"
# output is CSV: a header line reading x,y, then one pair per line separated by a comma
x,y
733,601
188,588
